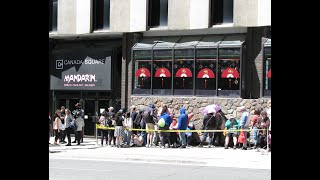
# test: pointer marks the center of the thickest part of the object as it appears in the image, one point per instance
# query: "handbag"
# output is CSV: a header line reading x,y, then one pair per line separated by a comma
x,y
73,125
242,137
225,131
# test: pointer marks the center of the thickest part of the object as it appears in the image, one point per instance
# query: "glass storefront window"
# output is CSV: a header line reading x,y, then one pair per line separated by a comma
x,y
142,72
267,71
206,63
201,67
183,71
162,72
229,72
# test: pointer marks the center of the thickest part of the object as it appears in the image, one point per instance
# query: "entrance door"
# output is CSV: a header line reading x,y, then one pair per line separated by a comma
x,y
102,106
59,103
72,103
90,112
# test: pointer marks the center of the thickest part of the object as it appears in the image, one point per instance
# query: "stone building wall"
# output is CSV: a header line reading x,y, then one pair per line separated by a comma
x,y
196,104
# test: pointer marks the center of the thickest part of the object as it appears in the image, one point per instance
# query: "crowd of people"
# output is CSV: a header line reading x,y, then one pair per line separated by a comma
x,y
255,124
137,128
65,123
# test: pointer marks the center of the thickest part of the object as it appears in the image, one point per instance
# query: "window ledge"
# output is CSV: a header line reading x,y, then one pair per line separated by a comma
x,y
223,25
53,32
101,31
158,28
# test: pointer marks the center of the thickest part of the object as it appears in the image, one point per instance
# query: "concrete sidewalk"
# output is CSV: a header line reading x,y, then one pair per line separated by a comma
x,y
217,156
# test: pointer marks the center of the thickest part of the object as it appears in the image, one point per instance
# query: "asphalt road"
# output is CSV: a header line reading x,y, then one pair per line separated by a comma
x,y
66,169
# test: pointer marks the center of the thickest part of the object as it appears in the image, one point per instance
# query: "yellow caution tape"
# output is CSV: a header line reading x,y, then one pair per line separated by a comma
x,y
132,129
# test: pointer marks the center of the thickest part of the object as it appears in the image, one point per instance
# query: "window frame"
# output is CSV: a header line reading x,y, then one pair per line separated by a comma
x,y
240,72
224,43
221,14
151,21
171,71
105,23
145,92
216,65
51,16
266,93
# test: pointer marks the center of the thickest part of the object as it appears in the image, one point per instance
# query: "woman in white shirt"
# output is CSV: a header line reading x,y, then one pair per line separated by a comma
x,y
128,124
57,125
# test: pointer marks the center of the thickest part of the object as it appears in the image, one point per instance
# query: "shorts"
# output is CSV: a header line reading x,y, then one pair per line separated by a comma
x,y
149,127
232,134
119,131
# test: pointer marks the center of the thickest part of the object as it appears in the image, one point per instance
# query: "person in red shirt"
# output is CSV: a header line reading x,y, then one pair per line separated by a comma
x,y
190,115
254,126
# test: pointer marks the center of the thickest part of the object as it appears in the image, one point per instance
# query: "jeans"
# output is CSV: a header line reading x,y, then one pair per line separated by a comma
x,y
78,136
57,135
211,136
255,135
68,131
127,137
104,133
63,135
155,138
144,136
182,136
111,137
246,137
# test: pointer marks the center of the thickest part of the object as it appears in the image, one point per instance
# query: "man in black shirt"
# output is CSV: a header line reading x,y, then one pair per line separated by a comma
x,y
119,131
111,122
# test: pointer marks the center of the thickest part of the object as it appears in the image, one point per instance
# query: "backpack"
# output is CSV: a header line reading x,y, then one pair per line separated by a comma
x,y
143,123
211,122
137,120
248,122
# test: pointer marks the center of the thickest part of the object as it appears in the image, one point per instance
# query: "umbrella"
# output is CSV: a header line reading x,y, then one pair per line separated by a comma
x,y
269,74
142,73
183,72
205,73
206,109
230,73
163,73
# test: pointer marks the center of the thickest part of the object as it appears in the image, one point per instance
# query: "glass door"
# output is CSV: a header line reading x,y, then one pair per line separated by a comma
x,y
90,116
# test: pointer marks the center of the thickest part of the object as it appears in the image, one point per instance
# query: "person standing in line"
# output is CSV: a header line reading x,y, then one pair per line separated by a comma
x,y
244,123
103,132
57,126
164,136
111,123
220,125
254,126
182,125
68,120
264,125
79,123
209,123
128,125
143,125
79,113
148,117
119,131
174,135
63,125
78,107
133,116
231,124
